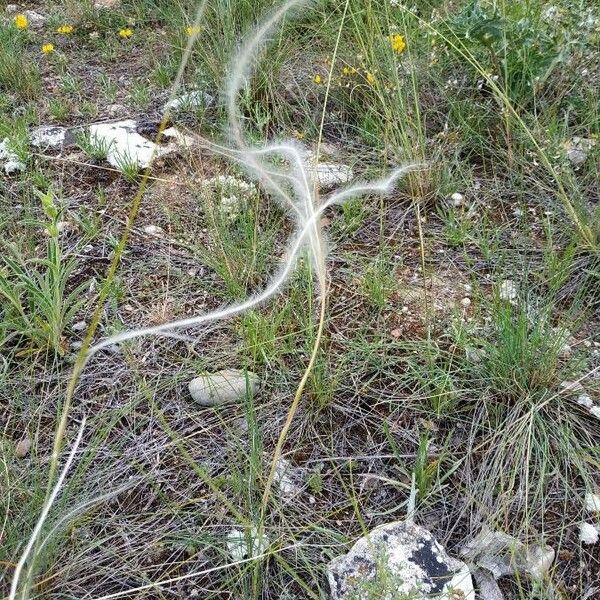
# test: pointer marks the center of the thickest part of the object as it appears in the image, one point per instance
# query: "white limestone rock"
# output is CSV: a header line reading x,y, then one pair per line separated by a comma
x,y
326,175
223,387
399,560
502,554
457,199
125,145
9,160
189,101
183,139
246,544
585,400
154,230
48,137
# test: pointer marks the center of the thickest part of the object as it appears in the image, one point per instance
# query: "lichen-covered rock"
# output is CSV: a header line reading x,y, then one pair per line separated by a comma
x,y
224,387
578,149
326,175
502,554
48,137
399,560
9,160
329,175
286,480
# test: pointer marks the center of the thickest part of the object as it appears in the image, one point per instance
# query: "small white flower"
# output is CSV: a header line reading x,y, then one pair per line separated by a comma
x,y
588,533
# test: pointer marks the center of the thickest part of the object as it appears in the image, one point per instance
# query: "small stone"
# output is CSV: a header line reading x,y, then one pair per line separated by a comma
x,y
466,302
329,175
578,149
396,333
588,534
35,19
223,387
11,162
12,9
457,199
22,448
242,545
116,110
99,4
79,326
414,563
48,137
595,411
585,400
508,290
153,230
187,141
284,478
592,502
189,101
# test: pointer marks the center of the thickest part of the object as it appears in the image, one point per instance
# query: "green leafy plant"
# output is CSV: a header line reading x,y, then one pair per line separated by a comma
x,y
37,303
520,48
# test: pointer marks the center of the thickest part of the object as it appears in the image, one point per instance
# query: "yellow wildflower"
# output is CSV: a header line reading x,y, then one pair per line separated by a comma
x,y
125,33
192,30
346,71
370,78
318,79
21,22
47,48
398,43
66,29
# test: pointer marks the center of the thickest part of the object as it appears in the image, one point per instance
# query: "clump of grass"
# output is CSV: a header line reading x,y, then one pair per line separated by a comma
x,y
18,73
96,148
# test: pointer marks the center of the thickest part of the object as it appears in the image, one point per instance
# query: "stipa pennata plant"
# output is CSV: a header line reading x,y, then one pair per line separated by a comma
x,y
284,175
